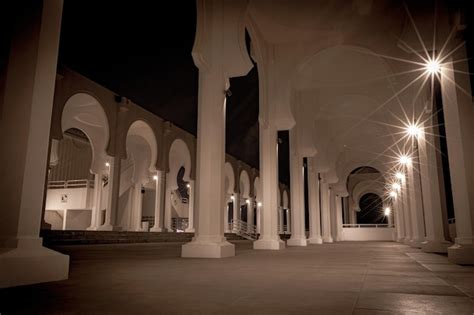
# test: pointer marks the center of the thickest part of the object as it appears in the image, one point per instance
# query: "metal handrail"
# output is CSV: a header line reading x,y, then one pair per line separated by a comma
x,y
72,183
365,225
244,229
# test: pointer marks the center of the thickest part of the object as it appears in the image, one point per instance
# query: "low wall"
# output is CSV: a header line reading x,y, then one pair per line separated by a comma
x,y
368,234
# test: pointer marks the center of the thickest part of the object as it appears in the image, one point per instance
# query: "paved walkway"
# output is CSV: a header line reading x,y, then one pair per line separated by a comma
x,y
341,278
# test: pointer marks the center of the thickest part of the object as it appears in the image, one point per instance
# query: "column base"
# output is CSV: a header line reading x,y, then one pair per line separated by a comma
x,y
327,239
315,240
157,229
435,246
272,244
29,262
300,241
189,230
208,248
406,241
415,243
108,227
461,254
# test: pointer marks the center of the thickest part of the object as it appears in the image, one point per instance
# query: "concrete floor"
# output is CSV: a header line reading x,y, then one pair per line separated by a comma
x,y
340,278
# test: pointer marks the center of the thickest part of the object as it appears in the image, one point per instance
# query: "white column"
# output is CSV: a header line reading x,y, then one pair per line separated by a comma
x,y
269,237
416,204
398,214
332,213
259,218
298,235
25,120
209,240
325,212
167,214
353,216
236,208
435,241
406,209
157,227
96,209
288,221
190,227
226,217
64,219
281,220
338,216
459,117
112,195
314,209
136,224
250,209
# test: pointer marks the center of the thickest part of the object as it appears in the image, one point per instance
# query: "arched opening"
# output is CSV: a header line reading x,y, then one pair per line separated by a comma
x,y
178,187
136,198
77,176
371,210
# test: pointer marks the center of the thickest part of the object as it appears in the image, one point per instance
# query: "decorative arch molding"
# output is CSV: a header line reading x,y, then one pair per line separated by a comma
x,y
178,156
348,168
82,111
366,187
68,84
142,129
170,134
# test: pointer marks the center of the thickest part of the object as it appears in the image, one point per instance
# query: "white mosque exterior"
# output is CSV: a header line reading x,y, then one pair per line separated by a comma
x,y
352,98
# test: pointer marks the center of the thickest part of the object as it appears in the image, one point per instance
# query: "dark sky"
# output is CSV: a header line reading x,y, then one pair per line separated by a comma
x,y
142,50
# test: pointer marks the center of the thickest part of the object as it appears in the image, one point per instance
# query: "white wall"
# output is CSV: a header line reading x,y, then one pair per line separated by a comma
x,y
367,234
69,198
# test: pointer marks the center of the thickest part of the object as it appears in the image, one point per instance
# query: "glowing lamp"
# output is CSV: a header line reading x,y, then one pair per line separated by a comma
x,y
387,211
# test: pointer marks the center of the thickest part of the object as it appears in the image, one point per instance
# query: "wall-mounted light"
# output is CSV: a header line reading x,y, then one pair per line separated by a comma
x,y
387,211
393,194
155,177
259,204
107,164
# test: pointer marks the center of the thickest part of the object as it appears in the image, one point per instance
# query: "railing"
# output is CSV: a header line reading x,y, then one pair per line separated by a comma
x,y
242,228
179,224
73,183
452,221
368,226
181,197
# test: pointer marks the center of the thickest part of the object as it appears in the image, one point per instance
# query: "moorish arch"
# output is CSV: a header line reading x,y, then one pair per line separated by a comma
x,y
84,112
136,173
79,157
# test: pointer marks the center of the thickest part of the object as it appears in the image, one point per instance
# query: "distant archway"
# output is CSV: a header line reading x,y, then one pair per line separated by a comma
x,y
371,210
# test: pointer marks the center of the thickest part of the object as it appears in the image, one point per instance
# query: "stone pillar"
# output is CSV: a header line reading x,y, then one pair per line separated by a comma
x,y
259,218
353,216
435,241
136,224
25,120
314,208
298,235
250,209
236,207
96,209
416,203
269,237
398,214
226,217
157,227
338,217
288,220
459,117
190,227
406,209
280,222
325,212
332,213
113,194
167,215
209,240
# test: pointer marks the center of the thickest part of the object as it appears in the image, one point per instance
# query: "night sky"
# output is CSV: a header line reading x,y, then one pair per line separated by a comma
x,y
143,51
